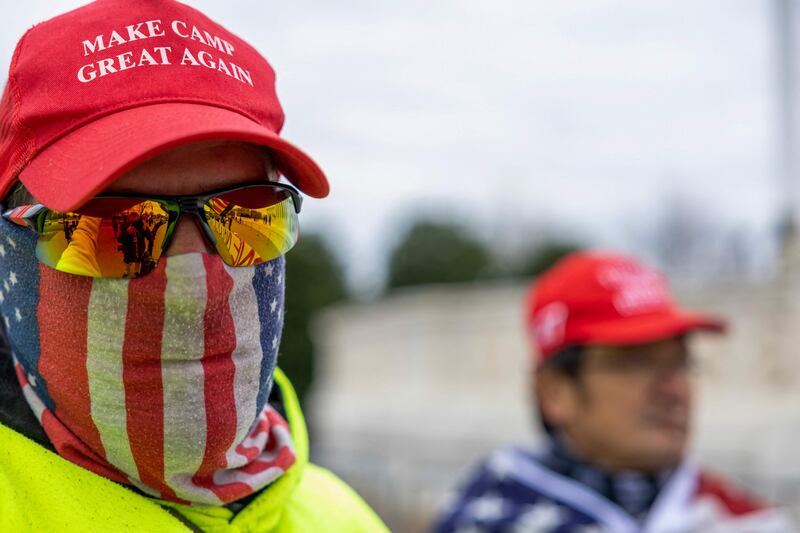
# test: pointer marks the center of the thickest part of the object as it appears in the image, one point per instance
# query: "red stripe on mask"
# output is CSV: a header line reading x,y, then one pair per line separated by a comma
x,y
62,314
219,371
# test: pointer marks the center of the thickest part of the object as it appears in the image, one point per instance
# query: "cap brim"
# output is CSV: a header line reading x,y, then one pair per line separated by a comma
x,y
85,161
649,328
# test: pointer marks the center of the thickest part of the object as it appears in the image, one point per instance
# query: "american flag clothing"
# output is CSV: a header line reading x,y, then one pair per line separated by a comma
x,y
513,492
159,382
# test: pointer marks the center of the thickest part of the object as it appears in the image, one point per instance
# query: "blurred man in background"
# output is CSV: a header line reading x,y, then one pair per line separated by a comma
x,y
138,382
613,388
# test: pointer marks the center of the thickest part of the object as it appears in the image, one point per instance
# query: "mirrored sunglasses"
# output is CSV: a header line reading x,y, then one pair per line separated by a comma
x,y
125,235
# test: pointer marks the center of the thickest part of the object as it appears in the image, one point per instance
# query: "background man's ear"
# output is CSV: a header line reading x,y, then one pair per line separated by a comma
x,y
556,396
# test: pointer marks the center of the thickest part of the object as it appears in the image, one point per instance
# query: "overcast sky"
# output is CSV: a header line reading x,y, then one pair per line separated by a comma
x,y
512,113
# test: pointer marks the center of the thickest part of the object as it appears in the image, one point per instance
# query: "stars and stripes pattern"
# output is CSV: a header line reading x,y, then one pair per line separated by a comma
x,y
160,382
494,501
514,492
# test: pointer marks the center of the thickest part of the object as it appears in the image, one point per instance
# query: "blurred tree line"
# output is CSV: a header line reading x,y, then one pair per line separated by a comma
x,y
682,236
445,252
429,252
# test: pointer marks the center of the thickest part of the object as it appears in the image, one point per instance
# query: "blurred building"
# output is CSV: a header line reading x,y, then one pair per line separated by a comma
x,y
413,389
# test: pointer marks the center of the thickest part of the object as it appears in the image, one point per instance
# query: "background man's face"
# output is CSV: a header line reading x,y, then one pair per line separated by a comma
x,y
629,408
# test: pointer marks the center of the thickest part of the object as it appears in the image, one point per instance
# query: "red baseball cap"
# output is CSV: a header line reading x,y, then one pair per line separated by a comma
x,y
605,298
98,90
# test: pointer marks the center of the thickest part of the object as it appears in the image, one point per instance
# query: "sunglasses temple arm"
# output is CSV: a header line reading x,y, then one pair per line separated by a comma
x,y
25,221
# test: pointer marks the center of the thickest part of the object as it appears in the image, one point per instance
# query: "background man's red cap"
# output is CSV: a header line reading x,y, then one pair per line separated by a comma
x,y
608,299
96,91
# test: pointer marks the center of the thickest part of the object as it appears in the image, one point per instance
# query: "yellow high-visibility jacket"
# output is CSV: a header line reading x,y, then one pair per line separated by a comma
x,y
41,492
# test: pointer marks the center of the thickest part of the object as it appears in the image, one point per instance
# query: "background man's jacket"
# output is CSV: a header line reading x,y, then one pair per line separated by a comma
x,y
513,492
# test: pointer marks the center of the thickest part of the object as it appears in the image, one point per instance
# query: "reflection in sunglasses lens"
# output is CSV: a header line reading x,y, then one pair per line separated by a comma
x,y
125,244
263,229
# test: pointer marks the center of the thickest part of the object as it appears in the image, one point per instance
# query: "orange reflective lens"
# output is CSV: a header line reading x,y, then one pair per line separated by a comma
x,y
119,237
251,229
125,244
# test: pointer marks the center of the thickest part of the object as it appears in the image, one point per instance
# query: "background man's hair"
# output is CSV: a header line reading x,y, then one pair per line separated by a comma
x,y
567,361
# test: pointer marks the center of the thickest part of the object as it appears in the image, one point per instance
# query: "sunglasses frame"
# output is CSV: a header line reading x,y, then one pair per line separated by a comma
x,y
185,204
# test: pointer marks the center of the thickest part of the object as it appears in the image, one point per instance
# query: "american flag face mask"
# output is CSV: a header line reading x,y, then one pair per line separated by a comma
x,y
159,382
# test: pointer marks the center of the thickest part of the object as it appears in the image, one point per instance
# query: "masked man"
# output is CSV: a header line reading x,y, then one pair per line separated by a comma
x,y
612,385
142,276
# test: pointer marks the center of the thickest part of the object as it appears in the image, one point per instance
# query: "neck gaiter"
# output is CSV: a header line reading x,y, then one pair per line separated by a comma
x,y
635,492
159,382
